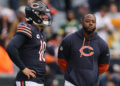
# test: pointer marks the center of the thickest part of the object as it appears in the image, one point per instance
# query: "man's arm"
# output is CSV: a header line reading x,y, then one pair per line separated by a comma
x,y
63,54
12,50
23,33
104,59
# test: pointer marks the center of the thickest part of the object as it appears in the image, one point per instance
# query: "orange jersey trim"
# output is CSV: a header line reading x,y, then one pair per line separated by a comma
x,y
23,84
62,63
24,29
20,26
103,68
25,32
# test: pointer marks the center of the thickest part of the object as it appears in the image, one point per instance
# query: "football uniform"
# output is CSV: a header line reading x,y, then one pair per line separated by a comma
x,y
31,51
27,47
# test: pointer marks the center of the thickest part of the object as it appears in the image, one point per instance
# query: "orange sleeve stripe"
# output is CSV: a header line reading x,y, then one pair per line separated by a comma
x,y
103,68
24,26
25,32
23,83
62,63
24,29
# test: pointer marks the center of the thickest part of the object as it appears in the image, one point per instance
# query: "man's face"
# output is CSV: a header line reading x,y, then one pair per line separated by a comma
x,y
89,23
44,17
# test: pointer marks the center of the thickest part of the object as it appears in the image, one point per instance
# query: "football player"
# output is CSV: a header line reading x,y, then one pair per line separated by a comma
x,y
26,49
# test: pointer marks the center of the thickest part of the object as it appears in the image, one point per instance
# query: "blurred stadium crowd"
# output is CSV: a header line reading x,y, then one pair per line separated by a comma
x,y
66,20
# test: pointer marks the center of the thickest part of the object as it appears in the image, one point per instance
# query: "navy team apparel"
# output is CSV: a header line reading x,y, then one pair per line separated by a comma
x,y
83,59
26,49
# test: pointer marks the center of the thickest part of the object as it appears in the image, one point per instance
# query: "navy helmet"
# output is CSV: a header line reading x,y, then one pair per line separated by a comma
x,y
36,12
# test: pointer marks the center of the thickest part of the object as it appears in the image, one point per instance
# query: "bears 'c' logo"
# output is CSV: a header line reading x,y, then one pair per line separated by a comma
x,y
86,54
35,5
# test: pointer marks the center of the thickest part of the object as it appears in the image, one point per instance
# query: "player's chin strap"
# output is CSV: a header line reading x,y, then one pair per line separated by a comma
x,y
83,46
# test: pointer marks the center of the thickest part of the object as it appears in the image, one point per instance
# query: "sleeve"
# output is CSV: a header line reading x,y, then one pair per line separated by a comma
x,y
13,47
49,54
25,30
63,54
104,59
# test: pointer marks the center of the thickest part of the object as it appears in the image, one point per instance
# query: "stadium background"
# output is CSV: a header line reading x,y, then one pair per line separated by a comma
x,y
66,20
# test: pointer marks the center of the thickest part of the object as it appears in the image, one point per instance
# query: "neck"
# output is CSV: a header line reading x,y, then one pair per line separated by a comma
x,y
87,36
39,27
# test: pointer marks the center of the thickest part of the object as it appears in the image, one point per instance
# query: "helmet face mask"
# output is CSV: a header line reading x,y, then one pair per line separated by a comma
x,y
44,18
38,13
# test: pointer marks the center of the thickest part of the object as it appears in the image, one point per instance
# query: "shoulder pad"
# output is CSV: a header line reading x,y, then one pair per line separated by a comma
x,y
24,29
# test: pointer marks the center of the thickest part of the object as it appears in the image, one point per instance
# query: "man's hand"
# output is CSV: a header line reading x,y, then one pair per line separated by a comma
x,y
29,73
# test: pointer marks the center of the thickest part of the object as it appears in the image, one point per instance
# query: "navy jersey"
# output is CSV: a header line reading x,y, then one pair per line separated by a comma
x,y
83,58
32,51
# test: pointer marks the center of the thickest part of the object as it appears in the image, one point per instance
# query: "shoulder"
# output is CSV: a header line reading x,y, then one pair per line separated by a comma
x,y
68,40
69,37
102,43
24,29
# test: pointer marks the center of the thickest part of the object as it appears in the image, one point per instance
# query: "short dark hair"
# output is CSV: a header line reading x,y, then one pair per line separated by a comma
x,y
82,18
